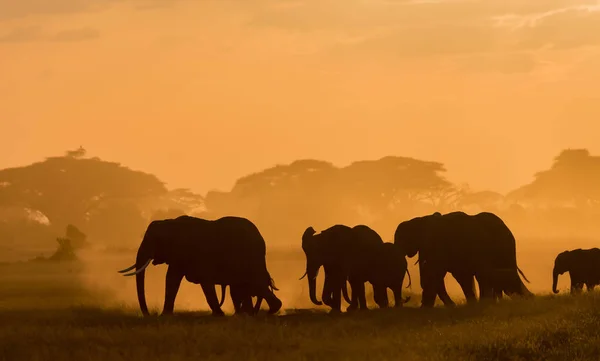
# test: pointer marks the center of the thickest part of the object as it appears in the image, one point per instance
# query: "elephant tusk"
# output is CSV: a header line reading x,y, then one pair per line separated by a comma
x,y
127,269
140,270
304,275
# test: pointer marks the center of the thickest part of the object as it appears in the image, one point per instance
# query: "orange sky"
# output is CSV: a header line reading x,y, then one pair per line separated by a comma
x,y
201,92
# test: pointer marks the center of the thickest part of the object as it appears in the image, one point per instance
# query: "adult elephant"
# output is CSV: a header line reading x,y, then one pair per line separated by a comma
x,y
583,266
478,246
227,251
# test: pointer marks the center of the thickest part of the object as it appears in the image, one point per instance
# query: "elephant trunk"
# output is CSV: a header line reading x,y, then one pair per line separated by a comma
x,y
555,281
312,270
144,256
312,267
312,290
326,295
139,280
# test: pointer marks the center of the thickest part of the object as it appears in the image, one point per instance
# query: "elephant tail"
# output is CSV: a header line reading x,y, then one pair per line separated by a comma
x,y
409,280
223,288
522,275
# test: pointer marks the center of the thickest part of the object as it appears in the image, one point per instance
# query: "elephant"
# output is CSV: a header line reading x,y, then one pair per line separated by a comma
x,y
346,254
470,247
388,272
226,251
583,266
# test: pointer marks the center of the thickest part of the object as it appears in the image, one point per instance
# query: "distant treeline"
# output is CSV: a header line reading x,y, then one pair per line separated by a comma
x,y
113,204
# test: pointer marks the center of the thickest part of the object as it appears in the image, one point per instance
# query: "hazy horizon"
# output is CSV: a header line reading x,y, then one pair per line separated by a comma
x,y
203,92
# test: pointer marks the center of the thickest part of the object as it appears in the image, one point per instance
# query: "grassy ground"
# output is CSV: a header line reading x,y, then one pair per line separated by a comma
x,y
49,312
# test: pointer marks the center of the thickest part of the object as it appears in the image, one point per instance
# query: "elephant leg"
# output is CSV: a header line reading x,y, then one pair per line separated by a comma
x,y
237,302
359,299
486,291
211,298
354,300
380,296
432,283
576,285
487,286
247,306
442,293
327,287
362,297
398,301
497,294
238,299
172,283
467,284
336,300
428,298
273,301
507,280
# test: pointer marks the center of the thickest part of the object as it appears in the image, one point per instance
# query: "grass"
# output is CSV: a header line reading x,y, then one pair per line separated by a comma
x,y
48,313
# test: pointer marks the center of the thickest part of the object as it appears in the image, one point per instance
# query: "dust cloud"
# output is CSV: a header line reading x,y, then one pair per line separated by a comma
x,y
535,257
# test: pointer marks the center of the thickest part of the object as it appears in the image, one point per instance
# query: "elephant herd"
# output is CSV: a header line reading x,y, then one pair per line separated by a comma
x,y
231,251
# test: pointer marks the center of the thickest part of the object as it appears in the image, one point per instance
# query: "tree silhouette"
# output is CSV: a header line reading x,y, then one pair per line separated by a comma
x,y
65,189
481,201
74,190
283,199
573,180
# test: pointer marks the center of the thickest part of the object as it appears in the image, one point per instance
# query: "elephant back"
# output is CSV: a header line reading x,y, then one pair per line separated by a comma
x,y
222,250
460,241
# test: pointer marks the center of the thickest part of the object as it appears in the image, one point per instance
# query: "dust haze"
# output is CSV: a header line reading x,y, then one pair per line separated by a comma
x,y
106,207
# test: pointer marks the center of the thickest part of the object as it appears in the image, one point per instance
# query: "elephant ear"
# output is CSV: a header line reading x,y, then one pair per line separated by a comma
x,y
308,237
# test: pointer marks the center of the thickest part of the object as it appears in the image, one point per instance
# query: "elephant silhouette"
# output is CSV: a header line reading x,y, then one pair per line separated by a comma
x,y
583,266
226,251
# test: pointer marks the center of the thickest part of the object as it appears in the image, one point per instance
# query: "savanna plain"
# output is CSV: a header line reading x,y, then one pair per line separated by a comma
x,y
85,310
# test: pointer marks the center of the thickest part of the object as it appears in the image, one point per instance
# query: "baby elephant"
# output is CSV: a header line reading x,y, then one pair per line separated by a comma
x,y
583,266
388,272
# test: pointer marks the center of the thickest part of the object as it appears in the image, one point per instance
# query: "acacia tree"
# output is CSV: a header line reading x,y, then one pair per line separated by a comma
x,y
88,192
